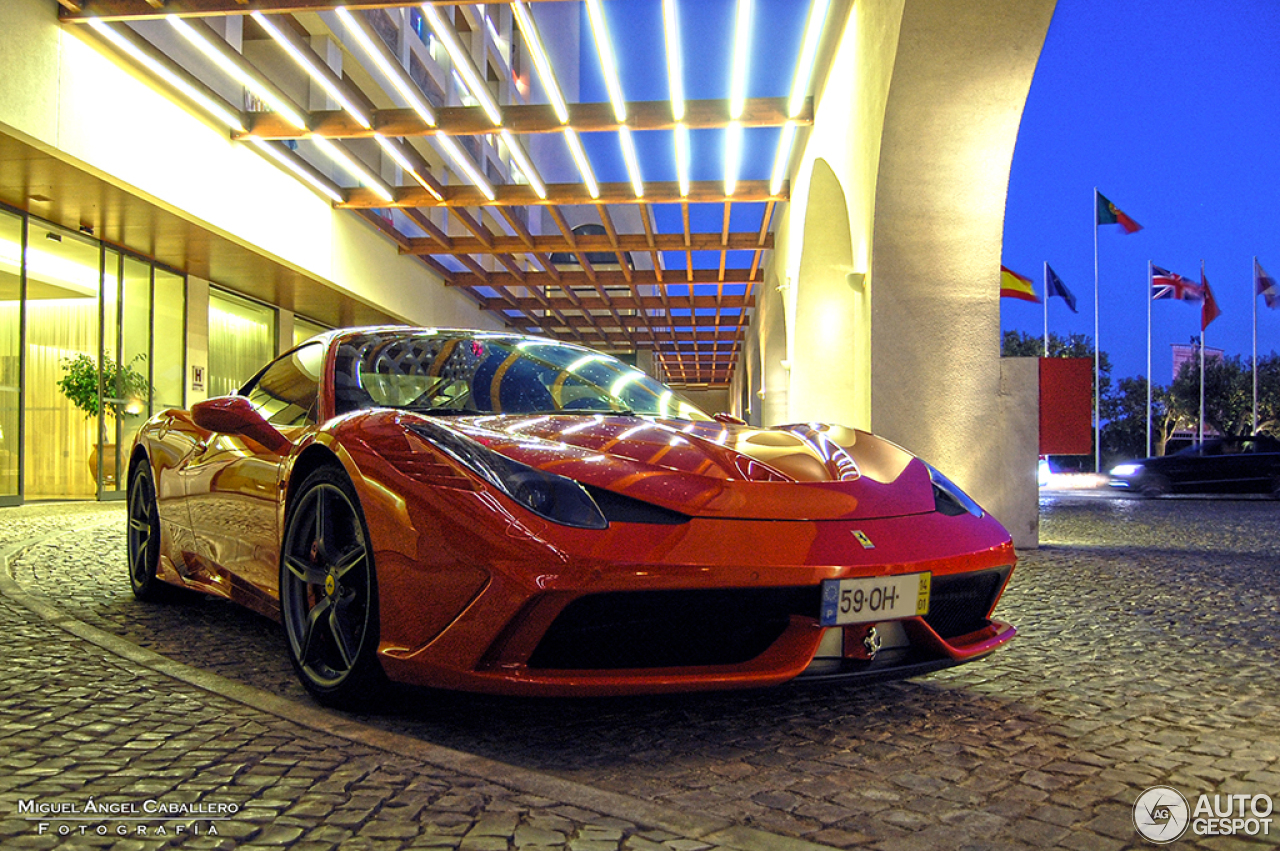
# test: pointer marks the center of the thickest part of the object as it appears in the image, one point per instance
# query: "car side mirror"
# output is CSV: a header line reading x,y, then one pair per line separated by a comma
x,y
234,415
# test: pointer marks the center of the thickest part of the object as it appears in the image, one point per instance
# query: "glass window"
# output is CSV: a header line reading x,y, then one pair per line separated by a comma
x,y
169,341
10,350
287,391
242,337
62,399
304,329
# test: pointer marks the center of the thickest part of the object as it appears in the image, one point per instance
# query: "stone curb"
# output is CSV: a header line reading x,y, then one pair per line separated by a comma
x,y
718,832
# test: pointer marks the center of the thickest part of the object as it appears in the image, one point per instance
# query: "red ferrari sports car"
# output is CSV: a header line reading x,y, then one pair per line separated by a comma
x,y
499,513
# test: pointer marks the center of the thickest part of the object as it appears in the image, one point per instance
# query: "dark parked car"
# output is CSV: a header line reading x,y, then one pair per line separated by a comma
x,y
1224,465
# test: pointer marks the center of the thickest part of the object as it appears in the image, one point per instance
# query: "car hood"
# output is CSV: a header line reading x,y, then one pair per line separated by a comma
x,y
805,471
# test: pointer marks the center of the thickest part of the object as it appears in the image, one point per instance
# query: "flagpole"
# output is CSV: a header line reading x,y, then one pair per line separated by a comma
x,y
1097,347
1150,287
1046,308
1202,332
1253,287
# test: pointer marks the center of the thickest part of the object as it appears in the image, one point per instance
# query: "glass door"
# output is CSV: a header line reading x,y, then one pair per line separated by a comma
x,y
10,357
62,416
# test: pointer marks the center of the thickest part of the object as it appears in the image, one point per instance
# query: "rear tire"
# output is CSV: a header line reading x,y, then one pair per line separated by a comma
x,y
143,538
329,592
1153,486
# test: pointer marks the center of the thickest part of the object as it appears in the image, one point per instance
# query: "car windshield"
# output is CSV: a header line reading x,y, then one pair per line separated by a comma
x,y
446,372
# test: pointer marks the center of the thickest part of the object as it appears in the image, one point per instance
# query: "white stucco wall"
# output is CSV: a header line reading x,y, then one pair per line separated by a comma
x,y
888,253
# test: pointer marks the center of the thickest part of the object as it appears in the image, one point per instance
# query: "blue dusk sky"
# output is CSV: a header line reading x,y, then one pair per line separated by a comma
x,y
1171,108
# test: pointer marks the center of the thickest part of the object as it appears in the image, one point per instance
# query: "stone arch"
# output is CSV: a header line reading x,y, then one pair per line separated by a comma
x,y
830,378
771,324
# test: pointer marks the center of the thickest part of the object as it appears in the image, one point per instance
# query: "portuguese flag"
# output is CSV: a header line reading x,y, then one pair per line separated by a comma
x,y
1110,214
1013,285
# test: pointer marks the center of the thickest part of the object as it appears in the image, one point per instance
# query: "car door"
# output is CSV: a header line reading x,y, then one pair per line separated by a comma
x,y
233,483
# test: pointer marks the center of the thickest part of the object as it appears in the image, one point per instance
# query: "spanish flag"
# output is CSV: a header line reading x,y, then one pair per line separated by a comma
x,y
1013,285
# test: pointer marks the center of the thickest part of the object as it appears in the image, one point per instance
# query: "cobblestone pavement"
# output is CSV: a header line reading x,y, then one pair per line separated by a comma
x,y
1147,656
106,748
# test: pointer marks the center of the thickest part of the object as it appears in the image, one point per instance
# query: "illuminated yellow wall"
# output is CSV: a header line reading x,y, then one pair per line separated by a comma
x,y
887,258
60,94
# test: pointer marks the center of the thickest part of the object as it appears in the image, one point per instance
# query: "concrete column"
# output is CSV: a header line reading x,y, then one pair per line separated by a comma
x,y
960,81
197,340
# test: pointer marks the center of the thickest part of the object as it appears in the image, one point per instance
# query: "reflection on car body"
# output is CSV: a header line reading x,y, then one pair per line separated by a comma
x,y
499,513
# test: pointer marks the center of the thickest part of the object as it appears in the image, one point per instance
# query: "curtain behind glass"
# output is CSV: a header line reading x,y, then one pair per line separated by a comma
x,y
242,338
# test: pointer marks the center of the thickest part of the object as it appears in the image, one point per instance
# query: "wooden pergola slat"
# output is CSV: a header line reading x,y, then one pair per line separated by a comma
x,y
606,278
526,119
518,194
547,243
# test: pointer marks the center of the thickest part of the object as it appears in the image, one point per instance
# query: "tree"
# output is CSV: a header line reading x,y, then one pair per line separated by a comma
x,y
1228,394
1124,436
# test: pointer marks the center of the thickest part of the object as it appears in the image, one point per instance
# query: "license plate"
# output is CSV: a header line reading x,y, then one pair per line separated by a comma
x,y
874,598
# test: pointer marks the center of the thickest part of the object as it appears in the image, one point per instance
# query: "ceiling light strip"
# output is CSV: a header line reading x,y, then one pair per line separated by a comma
x,y
675,70
808,56
732,156
737,95
608,64
272,150
370,44
222,56
463,162
308,64
782,158
523,161
580,159
462,63
633,164
168,75
540,61
799,91
682,159
741,60
397,155
675,82
354,168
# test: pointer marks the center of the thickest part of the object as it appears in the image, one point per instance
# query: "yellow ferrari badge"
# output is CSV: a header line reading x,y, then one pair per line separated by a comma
x,y
863,539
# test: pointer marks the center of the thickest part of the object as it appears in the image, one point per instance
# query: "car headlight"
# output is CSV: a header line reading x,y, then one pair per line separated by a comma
x,y
1126,469
949,499
558,499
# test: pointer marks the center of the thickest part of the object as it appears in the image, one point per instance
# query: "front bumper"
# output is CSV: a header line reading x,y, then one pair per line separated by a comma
x,y
712,604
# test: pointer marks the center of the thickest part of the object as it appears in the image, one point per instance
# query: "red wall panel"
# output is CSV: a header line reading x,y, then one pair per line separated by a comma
x,y
1066,406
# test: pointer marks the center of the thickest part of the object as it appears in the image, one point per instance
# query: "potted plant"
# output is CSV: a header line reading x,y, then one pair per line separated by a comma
x,y
119,385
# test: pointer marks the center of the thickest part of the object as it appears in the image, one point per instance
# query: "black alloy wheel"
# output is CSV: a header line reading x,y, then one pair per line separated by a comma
x,y
143,540
329,593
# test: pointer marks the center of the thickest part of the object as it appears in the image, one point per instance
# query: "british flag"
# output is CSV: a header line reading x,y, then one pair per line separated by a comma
x,y
1166,284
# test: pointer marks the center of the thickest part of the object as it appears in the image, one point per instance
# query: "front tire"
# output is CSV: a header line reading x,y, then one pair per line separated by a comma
x,y
329,592
143,537
1153,486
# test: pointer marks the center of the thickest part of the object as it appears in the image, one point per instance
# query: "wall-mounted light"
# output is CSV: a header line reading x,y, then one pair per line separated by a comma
x,y
856,280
